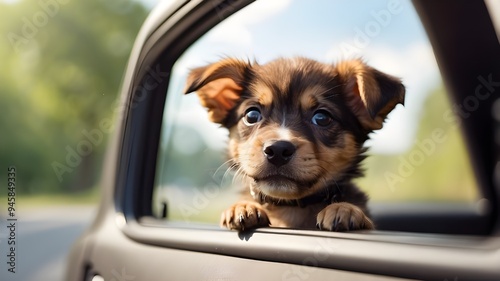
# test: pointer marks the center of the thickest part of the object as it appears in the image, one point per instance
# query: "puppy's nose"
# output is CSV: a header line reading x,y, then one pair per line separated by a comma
x,y
280,152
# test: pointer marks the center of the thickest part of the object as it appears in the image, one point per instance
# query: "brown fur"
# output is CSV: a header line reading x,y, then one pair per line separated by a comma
x,y
297,129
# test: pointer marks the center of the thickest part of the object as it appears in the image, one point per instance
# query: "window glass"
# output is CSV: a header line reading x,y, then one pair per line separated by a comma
x,y
418,155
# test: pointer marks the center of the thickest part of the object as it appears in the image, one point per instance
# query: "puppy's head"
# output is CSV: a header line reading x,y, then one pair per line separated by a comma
x,y
296,125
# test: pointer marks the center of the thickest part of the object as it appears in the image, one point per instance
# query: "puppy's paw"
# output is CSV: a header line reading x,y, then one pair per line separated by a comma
x,y
244,215
343,217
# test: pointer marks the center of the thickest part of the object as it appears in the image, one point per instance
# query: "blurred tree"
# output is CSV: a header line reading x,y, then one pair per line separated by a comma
x,y
62,63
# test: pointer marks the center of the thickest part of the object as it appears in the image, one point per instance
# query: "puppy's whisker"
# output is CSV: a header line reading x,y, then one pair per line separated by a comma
x,y
239,174
229,168
233,180
227,172
220,167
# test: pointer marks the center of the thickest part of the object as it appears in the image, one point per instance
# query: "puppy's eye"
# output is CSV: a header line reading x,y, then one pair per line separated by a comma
x,y
322,118
252,116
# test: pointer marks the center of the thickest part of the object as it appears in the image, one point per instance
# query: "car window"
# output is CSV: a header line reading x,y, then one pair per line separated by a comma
x,y
418,156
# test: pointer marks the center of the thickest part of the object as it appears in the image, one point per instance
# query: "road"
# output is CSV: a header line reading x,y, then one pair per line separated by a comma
x,y
43,238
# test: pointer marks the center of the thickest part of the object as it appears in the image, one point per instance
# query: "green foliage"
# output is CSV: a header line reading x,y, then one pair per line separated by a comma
x,y
62,63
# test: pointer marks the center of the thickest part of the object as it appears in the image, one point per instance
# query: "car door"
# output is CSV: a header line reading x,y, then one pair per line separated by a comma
x,y
164,181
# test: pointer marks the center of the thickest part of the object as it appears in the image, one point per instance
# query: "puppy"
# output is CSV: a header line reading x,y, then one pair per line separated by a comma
x,y
296,133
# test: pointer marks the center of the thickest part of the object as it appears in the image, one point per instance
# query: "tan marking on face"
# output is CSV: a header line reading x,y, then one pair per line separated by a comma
x,y
310,97
335,160
263,93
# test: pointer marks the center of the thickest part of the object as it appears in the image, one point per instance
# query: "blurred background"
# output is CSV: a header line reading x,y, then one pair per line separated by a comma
x,y
61,64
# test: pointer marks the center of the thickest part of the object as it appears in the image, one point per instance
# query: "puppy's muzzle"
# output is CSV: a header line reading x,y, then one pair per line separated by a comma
x,y
279,153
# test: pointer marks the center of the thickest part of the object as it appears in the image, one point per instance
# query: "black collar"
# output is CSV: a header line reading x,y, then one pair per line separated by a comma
x,y
329,195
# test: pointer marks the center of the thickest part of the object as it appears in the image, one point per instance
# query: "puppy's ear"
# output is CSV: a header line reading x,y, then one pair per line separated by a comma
x,y
218,85
371,93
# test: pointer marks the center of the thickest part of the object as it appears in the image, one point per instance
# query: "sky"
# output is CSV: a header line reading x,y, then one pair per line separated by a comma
x,y
387,34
